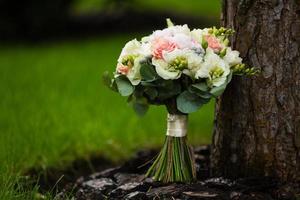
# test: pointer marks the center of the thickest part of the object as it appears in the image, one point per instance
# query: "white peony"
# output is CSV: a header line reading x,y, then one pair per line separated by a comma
x,y
232,57
176,62
214,69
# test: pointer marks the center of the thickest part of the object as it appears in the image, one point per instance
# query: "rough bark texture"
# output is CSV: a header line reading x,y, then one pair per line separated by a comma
x,y
257,121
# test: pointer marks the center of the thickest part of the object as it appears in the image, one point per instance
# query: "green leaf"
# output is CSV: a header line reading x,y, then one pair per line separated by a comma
x,y
106,78
188,102
205,95
200,89
152,84
168,90
114,86
148,72
217,91
138,91
140,109
151,92
140,106
124,86
201,86
109,82
130,99
229,77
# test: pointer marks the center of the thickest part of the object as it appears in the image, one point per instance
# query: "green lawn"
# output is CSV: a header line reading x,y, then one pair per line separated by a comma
x,y
206,8
54,108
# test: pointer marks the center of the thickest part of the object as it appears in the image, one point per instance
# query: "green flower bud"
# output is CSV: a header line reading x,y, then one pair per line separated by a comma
x,y
169,22
226,42
223,52
204,44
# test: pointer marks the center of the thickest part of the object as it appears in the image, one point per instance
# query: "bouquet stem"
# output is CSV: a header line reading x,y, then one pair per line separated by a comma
x,y
175,162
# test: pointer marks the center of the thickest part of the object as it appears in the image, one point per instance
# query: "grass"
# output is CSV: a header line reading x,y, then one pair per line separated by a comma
x,y
209,8
54,108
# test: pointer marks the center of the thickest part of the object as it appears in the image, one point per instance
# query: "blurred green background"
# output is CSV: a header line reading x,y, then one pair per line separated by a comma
x,y
54,107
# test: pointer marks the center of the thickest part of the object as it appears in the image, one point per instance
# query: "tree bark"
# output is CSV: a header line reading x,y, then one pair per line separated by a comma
x,y
257,120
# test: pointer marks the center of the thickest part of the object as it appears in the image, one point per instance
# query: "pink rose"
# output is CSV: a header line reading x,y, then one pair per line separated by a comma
x,y
160,45
213,43
122,69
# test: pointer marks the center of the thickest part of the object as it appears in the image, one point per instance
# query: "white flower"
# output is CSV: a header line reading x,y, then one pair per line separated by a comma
x,y
214,69
167,33
129,61
162,69
198,34
184,41
176,62
171,31
134,74
135,48
232,57
184,29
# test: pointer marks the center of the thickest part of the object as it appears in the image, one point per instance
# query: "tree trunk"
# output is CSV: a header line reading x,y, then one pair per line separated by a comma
x,y
257,120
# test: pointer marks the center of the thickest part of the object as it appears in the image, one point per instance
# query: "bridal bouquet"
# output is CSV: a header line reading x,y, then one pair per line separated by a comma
x,y
181,69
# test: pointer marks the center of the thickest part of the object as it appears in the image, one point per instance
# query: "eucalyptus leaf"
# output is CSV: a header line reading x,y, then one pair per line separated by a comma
x,y
140,109
152,84
229,77
124,86
129,99
106,78
151,92
109,82
188,102
205,95
148,72
217,91
169,90
138,91
201,86
114,86
140,106
200,89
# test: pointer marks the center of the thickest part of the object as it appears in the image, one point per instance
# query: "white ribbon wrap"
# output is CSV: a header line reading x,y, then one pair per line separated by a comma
x,y
177,125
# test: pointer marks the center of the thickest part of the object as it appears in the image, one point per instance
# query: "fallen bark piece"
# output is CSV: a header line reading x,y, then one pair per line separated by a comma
x,y
128,182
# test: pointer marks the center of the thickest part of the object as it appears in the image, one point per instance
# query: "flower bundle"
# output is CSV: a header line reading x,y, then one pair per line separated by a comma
x,y
182,69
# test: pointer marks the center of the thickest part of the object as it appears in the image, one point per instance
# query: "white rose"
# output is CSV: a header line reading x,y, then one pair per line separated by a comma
x,y
214,69
232,57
